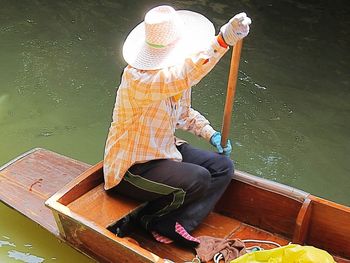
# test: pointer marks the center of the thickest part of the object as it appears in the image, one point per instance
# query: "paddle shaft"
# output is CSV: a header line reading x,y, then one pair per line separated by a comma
x,y
231,90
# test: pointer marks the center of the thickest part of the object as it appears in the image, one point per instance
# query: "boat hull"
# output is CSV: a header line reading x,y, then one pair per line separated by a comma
x,y
82,212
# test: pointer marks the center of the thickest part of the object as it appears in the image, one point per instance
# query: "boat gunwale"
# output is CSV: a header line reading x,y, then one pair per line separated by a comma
x,y
272,186
33,150
21,156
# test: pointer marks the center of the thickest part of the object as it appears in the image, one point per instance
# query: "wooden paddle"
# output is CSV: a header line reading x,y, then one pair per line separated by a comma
x,y
231,90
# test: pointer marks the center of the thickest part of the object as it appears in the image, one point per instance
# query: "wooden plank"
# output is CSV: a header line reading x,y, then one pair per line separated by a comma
x,y
329,227
98,242
260,207
80,185
341,260
99,246
107,208
168,251
214,225
217,225
270,186
245,232
26,182
30,204
43,171
302,223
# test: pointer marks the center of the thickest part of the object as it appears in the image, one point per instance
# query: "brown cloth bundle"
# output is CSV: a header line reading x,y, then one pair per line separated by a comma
x,y
229,248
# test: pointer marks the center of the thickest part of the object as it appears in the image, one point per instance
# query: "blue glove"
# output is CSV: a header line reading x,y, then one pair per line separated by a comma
x,y
215,140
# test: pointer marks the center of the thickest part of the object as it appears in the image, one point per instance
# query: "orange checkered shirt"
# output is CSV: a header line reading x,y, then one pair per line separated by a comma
x,y
150,105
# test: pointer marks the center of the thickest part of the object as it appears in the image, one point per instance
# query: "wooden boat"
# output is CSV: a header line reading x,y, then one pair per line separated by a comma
x,y
82,213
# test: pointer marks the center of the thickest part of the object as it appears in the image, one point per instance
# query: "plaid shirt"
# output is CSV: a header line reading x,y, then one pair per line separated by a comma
x,y
150,105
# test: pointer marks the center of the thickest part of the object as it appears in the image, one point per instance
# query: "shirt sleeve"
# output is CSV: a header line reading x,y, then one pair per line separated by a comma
x,y
150,86
194,122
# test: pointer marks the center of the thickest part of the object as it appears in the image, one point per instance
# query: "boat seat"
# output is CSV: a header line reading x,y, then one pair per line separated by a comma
x,y
103,208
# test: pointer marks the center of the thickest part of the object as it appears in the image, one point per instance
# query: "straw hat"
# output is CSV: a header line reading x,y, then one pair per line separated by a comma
x,y
166,38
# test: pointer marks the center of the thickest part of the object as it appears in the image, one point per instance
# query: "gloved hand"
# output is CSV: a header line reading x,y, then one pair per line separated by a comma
x,y
215,140
236,29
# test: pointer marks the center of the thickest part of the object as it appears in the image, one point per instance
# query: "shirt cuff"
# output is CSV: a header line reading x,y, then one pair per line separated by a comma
x,y
217,50
207,132
221,41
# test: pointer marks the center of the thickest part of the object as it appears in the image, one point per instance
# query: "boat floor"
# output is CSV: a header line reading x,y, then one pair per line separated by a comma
x,y
29,180
228,228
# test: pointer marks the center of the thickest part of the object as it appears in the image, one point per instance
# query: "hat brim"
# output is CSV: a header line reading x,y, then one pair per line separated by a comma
x,y
197,35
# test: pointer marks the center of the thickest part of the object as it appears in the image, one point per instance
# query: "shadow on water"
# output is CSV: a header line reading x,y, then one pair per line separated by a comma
x,y
61,61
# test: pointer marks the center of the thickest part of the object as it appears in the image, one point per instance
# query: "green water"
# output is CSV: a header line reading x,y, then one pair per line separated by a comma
x,y
60,62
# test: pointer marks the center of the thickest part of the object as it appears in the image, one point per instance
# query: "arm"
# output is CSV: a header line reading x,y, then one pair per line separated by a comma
x,y
194,122
234,30
152,86
149,86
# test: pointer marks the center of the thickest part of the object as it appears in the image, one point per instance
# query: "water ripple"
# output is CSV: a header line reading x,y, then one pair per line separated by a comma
x,y
6,243
24,257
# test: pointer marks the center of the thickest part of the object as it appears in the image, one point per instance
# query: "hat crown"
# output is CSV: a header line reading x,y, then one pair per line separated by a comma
x,y
162,26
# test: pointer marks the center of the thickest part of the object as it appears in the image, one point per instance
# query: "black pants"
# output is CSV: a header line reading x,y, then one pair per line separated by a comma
x,y
183,192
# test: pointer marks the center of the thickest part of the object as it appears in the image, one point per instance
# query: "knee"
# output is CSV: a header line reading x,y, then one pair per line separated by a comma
x,y
226,165
201,180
